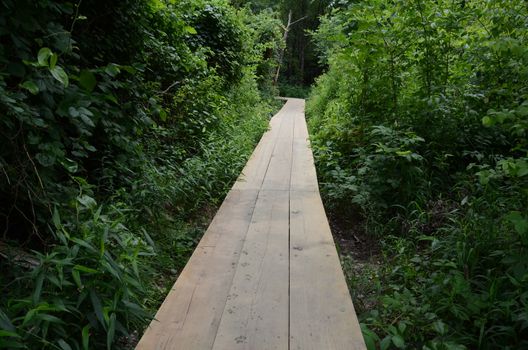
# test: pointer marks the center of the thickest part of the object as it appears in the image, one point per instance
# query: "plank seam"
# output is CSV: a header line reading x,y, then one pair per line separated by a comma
x,y
275,141
237,262
289,238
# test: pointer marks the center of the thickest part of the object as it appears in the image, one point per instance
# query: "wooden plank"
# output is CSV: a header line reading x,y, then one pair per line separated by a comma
x,y
190,315
321,312
256,168
304,177
256,313
301,129
278,174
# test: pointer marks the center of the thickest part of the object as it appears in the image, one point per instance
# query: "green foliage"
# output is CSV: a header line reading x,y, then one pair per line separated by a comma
x,y
86,289
420,125
298,91
121,121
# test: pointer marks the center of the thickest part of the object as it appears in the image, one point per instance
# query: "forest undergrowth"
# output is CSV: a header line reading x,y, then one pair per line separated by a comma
x,y
123,126
419,130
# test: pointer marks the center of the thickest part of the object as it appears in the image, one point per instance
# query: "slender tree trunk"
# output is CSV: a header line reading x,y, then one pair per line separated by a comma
x,y
284,38
281,54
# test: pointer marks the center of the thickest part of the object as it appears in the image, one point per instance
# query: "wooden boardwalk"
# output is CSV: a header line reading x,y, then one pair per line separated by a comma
x,y
266,274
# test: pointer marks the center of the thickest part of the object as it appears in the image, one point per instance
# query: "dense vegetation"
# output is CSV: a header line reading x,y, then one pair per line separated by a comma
x,y
121,120
125,122
419,128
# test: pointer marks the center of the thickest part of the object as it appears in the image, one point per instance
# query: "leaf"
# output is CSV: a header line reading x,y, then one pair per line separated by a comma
x,y
162,114
53,60
6,344
87,120
56,218
398,341
439,327
84,269
38,288
190,30
30,86
8,334
369,336
77,278
70,165
112,69
519,222
111,331
64,345
87,201
29,316
60,75
49,318
87,80
402,327
86,337
43,56
98,308
487,121
403,153
84,244
385,343
5,322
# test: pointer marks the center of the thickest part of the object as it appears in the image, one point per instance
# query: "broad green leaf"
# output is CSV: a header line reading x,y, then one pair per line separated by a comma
x,y
43,56
87,120
70,165
87,80
112,70
519,222
487,121
30,86
60,75
162,114
385,343
369,336
398,341
53,60
439,327
190,30
87,201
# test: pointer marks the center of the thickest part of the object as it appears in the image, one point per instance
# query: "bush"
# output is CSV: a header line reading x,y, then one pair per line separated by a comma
x,y
114,113
420,123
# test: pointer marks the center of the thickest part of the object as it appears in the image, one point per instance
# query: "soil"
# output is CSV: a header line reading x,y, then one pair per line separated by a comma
x,y
351,238
364,259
